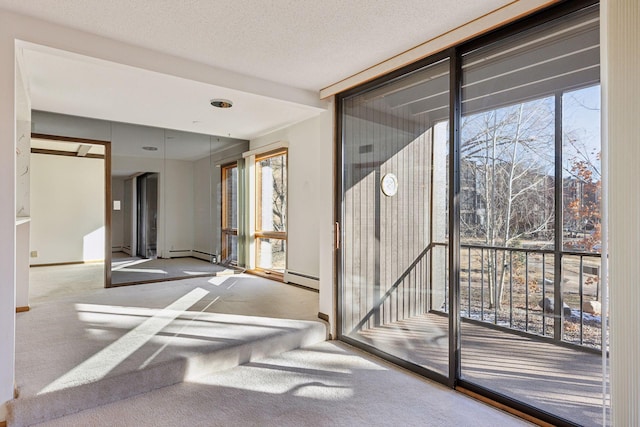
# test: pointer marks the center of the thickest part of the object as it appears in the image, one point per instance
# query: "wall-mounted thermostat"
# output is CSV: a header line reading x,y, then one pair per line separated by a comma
x,y
389,185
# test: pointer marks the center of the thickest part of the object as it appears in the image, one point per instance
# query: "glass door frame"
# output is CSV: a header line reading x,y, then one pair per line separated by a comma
x,y
454,55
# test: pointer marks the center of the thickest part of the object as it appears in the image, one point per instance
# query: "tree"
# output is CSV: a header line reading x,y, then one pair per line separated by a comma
x,y
583,204
507,186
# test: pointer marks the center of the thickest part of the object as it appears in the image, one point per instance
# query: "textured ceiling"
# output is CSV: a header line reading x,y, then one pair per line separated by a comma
x,y
307,44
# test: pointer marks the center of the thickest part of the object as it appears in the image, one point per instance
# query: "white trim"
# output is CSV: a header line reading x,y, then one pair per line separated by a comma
x,y
505,14
266,148
293,277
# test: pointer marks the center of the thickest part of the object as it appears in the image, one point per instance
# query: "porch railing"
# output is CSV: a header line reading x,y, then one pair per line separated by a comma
x,y
517,288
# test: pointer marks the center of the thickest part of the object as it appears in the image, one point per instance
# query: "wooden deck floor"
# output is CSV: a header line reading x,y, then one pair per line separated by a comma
x,y
566,382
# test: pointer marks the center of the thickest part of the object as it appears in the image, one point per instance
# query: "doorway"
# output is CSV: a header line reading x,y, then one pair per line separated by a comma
x,y
92,244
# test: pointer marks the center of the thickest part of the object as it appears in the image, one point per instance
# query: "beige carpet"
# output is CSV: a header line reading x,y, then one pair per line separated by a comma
x,y
327,384
127,269
95,347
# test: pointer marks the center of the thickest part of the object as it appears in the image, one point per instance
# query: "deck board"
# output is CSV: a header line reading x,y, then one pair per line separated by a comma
x,y
561,380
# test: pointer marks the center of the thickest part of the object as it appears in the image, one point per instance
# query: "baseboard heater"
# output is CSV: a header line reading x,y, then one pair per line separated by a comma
x,y
213,258
179,253
301,279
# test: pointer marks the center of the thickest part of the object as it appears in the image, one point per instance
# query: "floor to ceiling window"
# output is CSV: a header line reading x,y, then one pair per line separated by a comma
x,y
271,212
519,259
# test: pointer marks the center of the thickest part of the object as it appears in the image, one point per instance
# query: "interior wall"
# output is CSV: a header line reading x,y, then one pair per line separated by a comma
x,y
310,200
176,201
178,187
117,216
303,182
67,209
23,176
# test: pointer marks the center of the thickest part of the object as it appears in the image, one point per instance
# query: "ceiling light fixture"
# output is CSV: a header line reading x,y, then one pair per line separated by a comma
x,y
149,148
221,103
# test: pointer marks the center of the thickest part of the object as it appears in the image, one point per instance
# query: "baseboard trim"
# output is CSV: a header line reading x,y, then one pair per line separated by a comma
x,y
301,279
22,309
277,277
56,264
503,407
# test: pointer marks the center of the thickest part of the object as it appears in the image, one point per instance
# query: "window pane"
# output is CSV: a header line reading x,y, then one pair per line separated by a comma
x,y
231,193
271,254
231,241
394,241
507,175
528,100
582,182
272,193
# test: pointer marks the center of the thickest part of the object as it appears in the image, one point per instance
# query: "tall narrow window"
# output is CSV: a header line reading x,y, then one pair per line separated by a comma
x,y
230,214
271,212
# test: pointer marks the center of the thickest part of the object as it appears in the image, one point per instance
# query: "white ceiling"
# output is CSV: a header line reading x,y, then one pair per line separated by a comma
x,y
306,44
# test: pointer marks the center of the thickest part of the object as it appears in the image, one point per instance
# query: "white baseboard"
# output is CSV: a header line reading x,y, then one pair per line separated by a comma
x,y
205,256
179,253
301,279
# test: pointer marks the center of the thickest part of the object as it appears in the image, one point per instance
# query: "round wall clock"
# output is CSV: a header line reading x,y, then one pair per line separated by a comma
x,y
389,185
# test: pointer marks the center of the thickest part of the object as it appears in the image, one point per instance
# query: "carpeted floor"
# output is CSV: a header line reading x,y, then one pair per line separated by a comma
x,y
126,269
328,384
150,335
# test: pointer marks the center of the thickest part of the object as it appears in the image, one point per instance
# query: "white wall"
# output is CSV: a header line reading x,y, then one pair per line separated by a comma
x,y
178,207
7,214
176,177
23,176
310,200
205,213
67,209
117,216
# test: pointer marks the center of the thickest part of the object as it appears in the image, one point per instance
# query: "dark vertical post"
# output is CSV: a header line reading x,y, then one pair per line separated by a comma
x,y
338,216
557,258
377,288
455,79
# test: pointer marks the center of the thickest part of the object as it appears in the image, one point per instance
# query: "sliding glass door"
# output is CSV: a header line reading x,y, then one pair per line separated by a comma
x,y
394,218
529,223
469,217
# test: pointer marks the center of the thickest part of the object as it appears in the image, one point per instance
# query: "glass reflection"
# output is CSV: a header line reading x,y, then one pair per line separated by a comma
x,y
169,224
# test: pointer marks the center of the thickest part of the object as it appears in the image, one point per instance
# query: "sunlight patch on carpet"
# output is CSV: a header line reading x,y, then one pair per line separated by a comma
x,y
101,363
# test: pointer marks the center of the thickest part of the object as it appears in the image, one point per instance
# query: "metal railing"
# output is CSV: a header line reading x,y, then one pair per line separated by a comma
x,y
516,288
